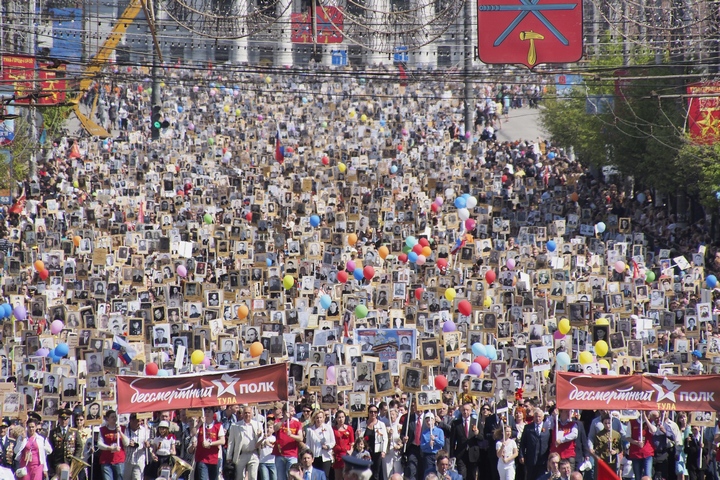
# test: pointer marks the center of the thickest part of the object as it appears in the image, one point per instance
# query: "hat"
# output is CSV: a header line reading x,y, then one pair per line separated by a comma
x,y
34,416
164,424
64,413
696,353
5,422
355,463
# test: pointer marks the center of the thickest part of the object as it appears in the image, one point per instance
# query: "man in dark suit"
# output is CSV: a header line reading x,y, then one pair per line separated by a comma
x,y
65,442
307,469
693,452
50,386
492,423
534,446
410,433
465,442
7,447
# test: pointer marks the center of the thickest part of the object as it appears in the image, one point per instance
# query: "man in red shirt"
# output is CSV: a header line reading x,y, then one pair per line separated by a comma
x,y
210,438
288,433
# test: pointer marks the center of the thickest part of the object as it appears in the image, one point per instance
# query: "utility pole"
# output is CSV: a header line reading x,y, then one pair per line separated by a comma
x,y
156,97
32,32
468,47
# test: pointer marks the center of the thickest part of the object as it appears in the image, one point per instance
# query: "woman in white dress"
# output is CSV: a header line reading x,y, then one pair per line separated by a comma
x,y
392,462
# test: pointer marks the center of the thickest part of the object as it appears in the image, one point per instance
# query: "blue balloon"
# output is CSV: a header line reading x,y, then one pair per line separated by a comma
x,y
51,353
490,352
383,122
304,99
460,202
315,220
393,169
2,311
551,155
163,373
412,256
465,196
358,274
600,227
180,109
551,246
62,349
8,310
411,241
325,301
562,359
641,197
268,260
478,349
711,281
54,358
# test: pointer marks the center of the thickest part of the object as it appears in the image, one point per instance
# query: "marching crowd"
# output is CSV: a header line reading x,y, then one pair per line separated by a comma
x,y
422,283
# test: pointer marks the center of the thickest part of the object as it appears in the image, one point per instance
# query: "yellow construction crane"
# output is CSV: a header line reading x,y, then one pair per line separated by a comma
x,y
99,61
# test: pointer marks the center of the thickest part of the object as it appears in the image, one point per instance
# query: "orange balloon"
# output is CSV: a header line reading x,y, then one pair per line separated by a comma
x,y
352,239
574,196
383,252
243,311
256,349
39,265
76,240
462,366
427,251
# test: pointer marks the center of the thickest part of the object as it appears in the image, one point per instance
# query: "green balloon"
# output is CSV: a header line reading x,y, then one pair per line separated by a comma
x,y
208,218
650,276
361,311
324,124
211,141
406,249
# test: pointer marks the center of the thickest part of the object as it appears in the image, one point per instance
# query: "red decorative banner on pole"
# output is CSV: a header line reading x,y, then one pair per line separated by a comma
x,y
329,21
699,393
52,82
251,385
704,112
19,71
530,32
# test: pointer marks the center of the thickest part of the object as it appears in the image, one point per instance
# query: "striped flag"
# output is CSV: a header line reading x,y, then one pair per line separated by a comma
x,y
279,151
127,353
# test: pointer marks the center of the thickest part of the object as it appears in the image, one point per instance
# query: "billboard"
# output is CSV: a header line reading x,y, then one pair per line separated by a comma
x,y
329,21
18,71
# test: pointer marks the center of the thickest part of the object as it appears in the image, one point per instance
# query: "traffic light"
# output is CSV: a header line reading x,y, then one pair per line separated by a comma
x,y
157,122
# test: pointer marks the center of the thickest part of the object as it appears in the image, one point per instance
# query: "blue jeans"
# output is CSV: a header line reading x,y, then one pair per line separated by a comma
x,y
642,467
266,471
113,471
282,466
205,471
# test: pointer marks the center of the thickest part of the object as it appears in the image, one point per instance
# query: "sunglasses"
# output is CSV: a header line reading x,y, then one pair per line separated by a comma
x,y
373,411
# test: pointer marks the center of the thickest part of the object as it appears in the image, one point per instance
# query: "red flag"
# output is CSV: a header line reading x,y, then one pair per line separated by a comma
x,y
279,154
19,205
75,151
604,472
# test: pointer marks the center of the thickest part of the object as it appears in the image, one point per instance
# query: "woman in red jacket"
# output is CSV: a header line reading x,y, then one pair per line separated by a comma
x,y
344,440
112,443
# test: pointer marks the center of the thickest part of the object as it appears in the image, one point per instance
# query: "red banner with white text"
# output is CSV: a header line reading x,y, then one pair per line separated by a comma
x,y
251,385
699,393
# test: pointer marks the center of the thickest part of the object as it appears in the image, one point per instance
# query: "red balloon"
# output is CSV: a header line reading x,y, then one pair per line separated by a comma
x,y
403,257
482,361
417,248
181,193
400,148
441,382
325,160
490,276
368,272
44,274
504,178
435,207
342,276
424,242
465,307
418,293
248,217
151,368
442,263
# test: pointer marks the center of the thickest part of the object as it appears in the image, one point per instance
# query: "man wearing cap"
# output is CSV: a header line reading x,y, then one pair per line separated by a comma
x,y
356,468
696,368
7,447
65,442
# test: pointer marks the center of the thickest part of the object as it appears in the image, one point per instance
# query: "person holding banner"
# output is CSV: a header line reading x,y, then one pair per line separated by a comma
x,y
564,435
607,443
641,448
210,438
111,443
288,433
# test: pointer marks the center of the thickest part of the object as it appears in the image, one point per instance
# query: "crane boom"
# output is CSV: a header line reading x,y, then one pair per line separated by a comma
x,y
99,61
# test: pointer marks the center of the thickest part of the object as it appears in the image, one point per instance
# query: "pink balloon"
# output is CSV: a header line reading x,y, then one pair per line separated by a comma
x,y
350,266
510,263
558,335
439,200
182,271
206,361
421,260
330,375
470,224
56,327
620,266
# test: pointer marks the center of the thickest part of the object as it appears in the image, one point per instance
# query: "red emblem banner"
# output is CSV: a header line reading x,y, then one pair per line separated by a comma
x,y
704,112
638,392
329,22
19,71
251,385
52,83
530,32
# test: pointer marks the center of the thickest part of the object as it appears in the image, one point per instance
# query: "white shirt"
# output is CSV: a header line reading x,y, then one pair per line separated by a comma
x,y
319,436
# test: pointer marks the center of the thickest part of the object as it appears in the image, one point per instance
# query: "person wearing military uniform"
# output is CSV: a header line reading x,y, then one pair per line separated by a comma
x,y
7,447
65,442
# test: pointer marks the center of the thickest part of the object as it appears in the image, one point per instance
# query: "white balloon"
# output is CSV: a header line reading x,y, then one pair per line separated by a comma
x,y
449,193
471,202
463,214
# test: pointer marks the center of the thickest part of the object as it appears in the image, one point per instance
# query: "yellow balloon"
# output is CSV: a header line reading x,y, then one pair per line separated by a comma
x,y
382,130
363,117
602,321
268,79
601,348
450,294
546,373
342,167
585,358
604,363
197,357
462,366
564,326
352,113
288,282
226,108
487,302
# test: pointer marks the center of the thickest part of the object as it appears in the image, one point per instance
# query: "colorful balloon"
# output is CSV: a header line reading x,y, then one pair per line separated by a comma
x,y
197,357
450,294
564,326
288,282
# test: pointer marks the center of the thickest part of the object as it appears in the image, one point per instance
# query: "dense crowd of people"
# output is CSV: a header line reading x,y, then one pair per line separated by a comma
x,y
422,284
